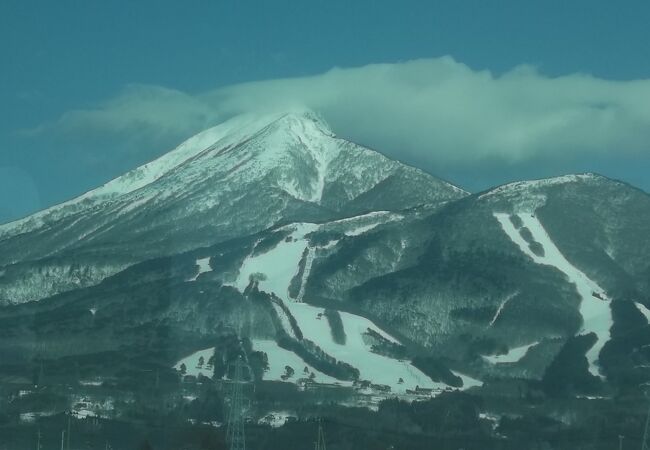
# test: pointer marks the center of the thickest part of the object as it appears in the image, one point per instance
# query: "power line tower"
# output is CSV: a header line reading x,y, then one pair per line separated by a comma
x,y
240,374
320,441
646,433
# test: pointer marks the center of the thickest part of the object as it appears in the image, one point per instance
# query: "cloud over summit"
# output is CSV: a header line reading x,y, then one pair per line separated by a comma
x,y
437,111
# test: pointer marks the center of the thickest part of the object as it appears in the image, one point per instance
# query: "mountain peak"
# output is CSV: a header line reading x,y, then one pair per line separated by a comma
x,y
518,187
242,176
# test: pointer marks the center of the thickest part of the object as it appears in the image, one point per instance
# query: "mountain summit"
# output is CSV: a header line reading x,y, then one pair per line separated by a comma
x,y
238,178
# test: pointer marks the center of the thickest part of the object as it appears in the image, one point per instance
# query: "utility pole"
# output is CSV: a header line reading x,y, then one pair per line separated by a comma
x,y
235,434
320,442
62,439
38,439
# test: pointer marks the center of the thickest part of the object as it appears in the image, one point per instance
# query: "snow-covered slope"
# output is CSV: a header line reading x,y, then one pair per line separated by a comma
x,y
594,305
235,179
274,270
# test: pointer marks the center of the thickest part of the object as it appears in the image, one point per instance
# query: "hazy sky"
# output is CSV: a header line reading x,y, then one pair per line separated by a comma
x,y
479,93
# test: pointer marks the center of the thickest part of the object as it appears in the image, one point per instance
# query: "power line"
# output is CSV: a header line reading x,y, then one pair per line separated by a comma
x,y
320,442
646,433
241,375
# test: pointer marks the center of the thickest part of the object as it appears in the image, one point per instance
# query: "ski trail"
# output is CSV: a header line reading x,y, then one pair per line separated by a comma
x,y
503,304
596,313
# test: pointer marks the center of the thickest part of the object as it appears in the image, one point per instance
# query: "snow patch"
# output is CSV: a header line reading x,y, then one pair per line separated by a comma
x,y
193,366
276,419
502,305
643,310
204,267
468,382
514,355
522,186
279,358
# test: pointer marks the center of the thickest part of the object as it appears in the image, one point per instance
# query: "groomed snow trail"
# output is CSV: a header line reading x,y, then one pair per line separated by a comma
x,y
596,313
643,310
280,357
279,265
204,266
192,363
513,355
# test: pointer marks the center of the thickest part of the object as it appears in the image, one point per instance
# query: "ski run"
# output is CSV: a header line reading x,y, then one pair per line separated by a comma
x,y
594,304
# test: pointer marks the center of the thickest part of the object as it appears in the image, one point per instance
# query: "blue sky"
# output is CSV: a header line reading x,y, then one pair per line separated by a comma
x,y
64,61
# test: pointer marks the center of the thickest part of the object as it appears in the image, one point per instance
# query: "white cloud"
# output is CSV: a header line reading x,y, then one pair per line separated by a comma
x,y
138,112
437,111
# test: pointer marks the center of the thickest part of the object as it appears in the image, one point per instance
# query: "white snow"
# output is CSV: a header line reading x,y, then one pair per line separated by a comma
x,y
192,366
521,186
502,305
284,320
468,382
279,265
203,265
596,313
276,419
226,133
373,367
360,230
513,355
643,310
280,357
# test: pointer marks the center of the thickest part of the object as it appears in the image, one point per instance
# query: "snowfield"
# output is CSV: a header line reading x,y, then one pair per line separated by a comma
x,y
643,310
192,363
596,313
204,266
513,355
279,358
278,266
519,187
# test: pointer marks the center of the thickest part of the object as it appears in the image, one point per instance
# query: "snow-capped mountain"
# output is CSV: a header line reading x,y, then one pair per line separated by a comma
x,y
326,262
237,178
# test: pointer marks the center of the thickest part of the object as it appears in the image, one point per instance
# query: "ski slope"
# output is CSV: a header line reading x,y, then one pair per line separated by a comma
x,y
643,310
279,358
513,355
204,266
279,265
596,313
192,363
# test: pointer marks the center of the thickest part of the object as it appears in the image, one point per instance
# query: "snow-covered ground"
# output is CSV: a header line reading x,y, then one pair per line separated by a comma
x,y
276,419
279,358
192,366
279,265
596,312
203,265
528,185
468,382
513,355
643,310
373,367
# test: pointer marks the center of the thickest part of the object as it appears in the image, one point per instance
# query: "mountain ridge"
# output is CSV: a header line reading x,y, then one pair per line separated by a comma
x,y
237,178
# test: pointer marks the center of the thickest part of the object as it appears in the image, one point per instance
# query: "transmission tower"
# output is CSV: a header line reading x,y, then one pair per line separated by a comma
x,y
646,433
320,442
240,374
